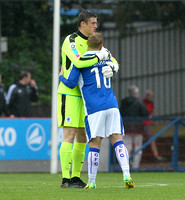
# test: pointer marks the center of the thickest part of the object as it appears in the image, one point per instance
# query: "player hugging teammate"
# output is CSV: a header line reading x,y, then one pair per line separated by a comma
x,y
102,116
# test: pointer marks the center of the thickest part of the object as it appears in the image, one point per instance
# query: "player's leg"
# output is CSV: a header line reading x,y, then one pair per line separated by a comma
x,y
93,161
115,131
123,158
66,154
128,140
66,146
121,152
95,130
78,155
68,117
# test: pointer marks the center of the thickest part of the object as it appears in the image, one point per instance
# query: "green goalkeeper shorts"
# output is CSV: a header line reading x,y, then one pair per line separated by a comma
x,y
70,111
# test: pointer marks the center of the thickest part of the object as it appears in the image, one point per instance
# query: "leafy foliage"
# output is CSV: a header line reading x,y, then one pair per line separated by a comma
x,y
29,28
167,13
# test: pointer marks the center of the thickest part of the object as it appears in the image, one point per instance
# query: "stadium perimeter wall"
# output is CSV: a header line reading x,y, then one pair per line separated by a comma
x,y
25,146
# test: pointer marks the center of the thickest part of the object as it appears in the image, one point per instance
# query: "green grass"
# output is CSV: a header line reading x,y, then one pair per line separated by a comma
x,y
164,186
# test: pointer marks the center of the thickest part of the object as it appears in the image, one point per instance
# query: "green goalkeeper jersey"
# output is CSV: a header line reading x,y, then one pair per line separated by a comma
x,y
74,46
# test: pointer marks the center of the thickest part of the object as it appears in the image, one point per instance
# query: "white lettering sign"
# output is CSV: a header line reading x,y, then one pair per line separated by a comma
x,y
9,137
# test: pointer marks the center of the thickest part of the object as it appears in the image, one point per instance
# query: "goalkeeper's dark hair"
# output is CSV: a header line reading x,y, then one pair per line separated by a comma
x,y
84,16
95,40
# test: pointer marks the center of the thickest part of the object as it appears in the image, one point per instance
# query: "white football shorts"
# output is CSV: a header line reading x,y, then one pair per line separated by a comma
x,y
103,124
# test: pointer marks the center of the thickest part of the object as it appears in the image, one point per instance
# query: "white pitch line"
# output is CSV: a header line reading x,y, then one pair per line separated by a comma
x,y
153,185
147,185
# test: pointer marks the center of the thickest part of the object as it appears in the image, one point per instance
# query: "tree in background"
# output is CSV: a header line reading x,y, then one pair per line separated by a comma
x,y
28,26
29,29
167,13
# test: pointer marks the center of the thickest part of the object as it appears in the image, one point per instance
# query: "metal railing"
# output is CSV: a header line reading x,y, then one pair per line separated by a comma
x,y
171,133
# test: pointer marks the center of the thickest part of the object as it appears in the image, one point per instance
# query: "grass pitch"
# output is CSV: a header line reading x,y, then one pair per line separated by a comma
x,y
148,186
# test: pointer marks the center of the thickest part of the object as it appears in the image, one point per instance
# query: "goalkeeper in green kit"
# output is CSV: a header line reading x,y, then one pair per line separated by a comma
x,y
70,109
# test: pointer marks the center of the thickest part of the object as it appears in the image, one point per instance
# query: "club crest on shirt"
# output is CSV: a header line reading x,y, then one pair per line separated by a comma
x,y
68,119
73,45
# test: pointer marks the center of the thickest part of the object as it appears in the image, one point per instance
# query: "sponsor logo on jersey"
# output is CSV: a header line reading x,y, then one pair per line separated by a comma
x,y
103,62
35,137
73,45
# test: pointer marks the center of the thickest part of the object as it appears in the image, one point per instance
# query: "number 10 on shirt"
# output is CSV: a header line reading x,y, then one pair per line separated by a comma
x,y
98,81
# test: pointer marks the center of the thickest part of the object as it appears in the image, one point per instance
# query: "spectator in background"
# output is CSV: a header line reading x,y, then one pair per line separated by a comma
x,y
132,106
3,107
148,101
21,94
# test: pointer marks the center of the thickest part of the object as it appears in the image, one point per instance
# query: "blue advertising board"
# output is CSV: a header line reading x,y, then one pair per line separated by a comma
x,y
27,139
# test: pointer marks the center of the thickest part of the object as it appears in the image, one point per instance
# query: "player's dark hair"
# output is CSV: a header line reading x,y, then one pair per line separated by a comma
x,y
95,40
84,16
23,74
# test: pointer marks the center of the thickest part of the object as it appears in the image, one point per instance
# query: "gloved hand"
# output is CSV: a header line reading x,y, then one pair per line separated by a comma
x,y
107,71
104,54
110,69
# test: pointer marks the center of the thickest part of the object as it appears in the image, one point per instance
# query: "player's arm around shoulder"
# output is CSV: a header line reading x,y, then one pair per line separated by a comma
x,y
72,52
114,60
72,79
80,61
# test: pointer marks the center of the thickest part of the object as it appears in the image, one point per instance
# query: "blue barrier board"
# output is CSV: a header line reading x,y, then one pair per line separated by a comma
x,y
27,139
